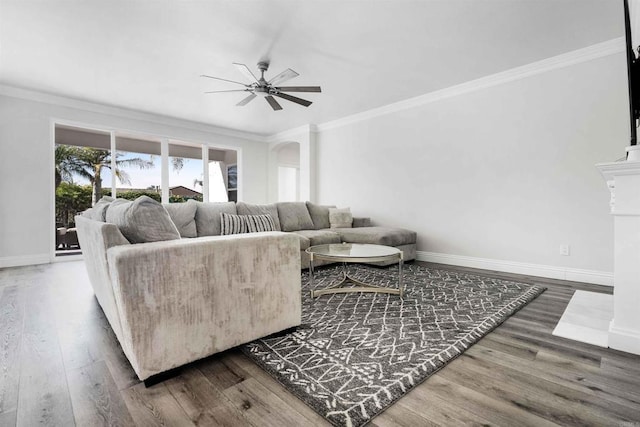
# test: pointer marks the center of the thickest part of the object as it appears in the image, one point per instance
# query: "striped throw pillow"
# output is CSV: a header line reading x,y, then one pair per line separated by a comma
x,y
238,224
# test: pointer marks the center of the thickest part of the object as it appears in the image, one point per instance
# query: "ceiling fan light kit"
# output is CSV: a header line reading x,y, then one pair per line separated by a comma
x,y
267,89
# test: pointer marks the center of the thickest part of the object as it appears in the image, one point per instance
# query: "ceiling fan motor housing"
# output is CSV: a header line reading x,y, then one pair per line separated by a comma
x,y
262,87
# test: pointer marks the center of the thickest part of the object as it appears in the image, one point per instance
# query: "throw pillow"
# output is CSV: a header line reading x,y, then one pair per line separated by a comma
x,y
319,215
142,220
238,224
340,218
183,216
294,216
250,209
208,217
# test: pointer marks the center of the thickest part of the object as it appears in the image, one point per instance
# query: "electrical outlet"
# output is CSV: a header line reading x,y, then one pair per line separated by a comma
x,y
564,250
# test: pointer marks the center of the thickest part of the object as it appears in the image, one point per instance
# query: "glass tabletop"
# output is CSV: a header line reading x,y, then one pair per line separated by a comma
x,y
353,250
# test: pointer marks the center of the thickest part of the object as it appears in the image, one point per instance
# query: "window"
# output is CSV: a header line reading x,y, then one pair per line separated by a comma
x,y
82,163
186,171
138,168
217,188
87,168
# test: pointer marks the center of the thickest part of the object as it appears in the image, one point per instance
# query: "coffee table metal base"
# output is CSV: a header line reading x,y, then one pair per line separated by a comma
x,y
336,288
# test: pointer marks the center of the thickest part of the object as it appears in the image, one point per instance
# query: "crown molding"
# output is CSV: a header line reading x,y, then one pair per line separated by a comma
x,y
589,53
63,101
292,133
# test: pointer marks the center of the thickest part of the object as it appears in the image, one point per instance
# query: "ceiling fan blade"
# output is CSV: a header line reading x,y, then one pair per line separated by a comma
x,y
221,91
274,104
283,77
247,100
224,80
245,71
293,99
299,89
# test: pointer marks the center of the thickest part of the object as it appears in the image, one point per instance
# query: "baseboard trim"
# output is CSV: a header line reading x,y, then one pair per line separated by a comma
x,y
624,339
18,261
548,271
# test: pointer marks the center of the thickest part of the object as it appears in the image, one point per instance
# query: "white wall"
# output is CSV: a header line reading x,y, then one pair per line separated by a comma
x,y
26,166
501,173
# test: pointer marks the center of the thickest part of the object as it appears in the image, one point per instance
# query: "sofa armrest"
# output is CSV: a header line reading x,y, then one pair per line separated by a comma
x,y
182,300
361,222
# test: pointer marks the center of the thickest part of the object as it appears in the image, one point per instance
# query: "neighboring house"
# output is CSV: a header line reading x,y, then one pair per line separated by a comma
x,y
180,190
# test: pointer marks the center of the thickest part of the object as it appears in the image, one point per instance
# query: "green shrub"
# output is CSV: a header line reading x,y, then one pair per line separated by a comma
x,y
183,199
132,195
71,199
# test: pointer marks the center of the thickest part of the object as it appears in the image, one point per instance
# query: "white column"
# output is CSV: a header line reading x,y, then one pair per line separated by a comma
x,y
164,170
114,164
623,180
205,173
308,165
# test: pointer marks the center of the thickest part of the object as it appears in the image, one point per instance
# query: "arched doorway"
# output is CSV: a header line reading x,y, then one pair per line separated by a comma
x,y
288,166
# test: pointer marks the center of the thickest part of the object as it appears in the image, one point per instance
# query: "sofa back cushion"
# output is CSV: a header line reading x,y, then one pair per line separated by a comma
x,y
99,211
238,224
183,216
208,217
319,215
250,209
142,220
294,216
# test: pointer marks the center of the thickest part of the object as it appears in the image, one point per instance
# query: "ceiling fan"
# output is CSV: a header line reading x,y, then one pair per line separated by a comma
x,y
267,89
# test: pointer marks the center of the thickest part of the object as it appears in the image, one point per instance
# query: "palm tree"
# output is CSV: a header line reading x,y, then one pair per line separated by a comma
x,y
88,163
66,166
177,163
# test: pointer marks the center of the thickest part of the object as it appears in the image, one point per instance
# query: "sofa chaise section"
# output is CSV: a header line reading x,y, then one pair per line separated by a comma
x,y
311,223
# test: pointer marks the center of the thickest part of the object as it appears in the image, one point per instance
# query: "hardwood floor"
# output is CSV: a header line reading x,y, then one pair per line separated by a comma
x,y
60,365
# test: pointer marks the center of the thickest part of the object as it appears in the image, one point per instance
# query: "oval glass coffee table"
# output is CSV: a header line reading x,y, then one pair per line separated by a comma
x,y
354,253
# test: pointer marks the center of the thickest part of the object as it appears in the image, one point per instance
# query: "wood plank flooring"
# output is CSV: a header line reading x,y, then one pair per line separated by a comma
x,y
61,365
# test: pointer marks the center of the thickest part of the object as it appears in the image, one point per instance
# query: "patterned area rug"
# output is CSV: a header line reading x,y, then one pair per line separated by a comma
x,y
355,354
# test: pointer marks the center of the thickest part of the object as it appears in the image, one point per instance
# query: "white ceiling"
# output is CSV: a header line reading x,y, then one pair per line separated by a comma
x,y
147,55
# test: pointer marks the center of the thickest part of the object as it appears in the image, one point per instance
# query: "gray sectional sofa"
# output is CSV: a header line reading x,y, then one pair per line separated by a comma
x,y
310,223
174,290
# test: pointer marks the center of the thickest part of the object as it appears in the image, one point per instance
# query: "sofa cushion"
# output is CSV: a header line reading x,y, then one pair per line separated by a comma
x,y
238,224
208,217
142,220
340,218
250,209
304,241
319,215
319,237
99,211
361,222
294,216
377,235
183,216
